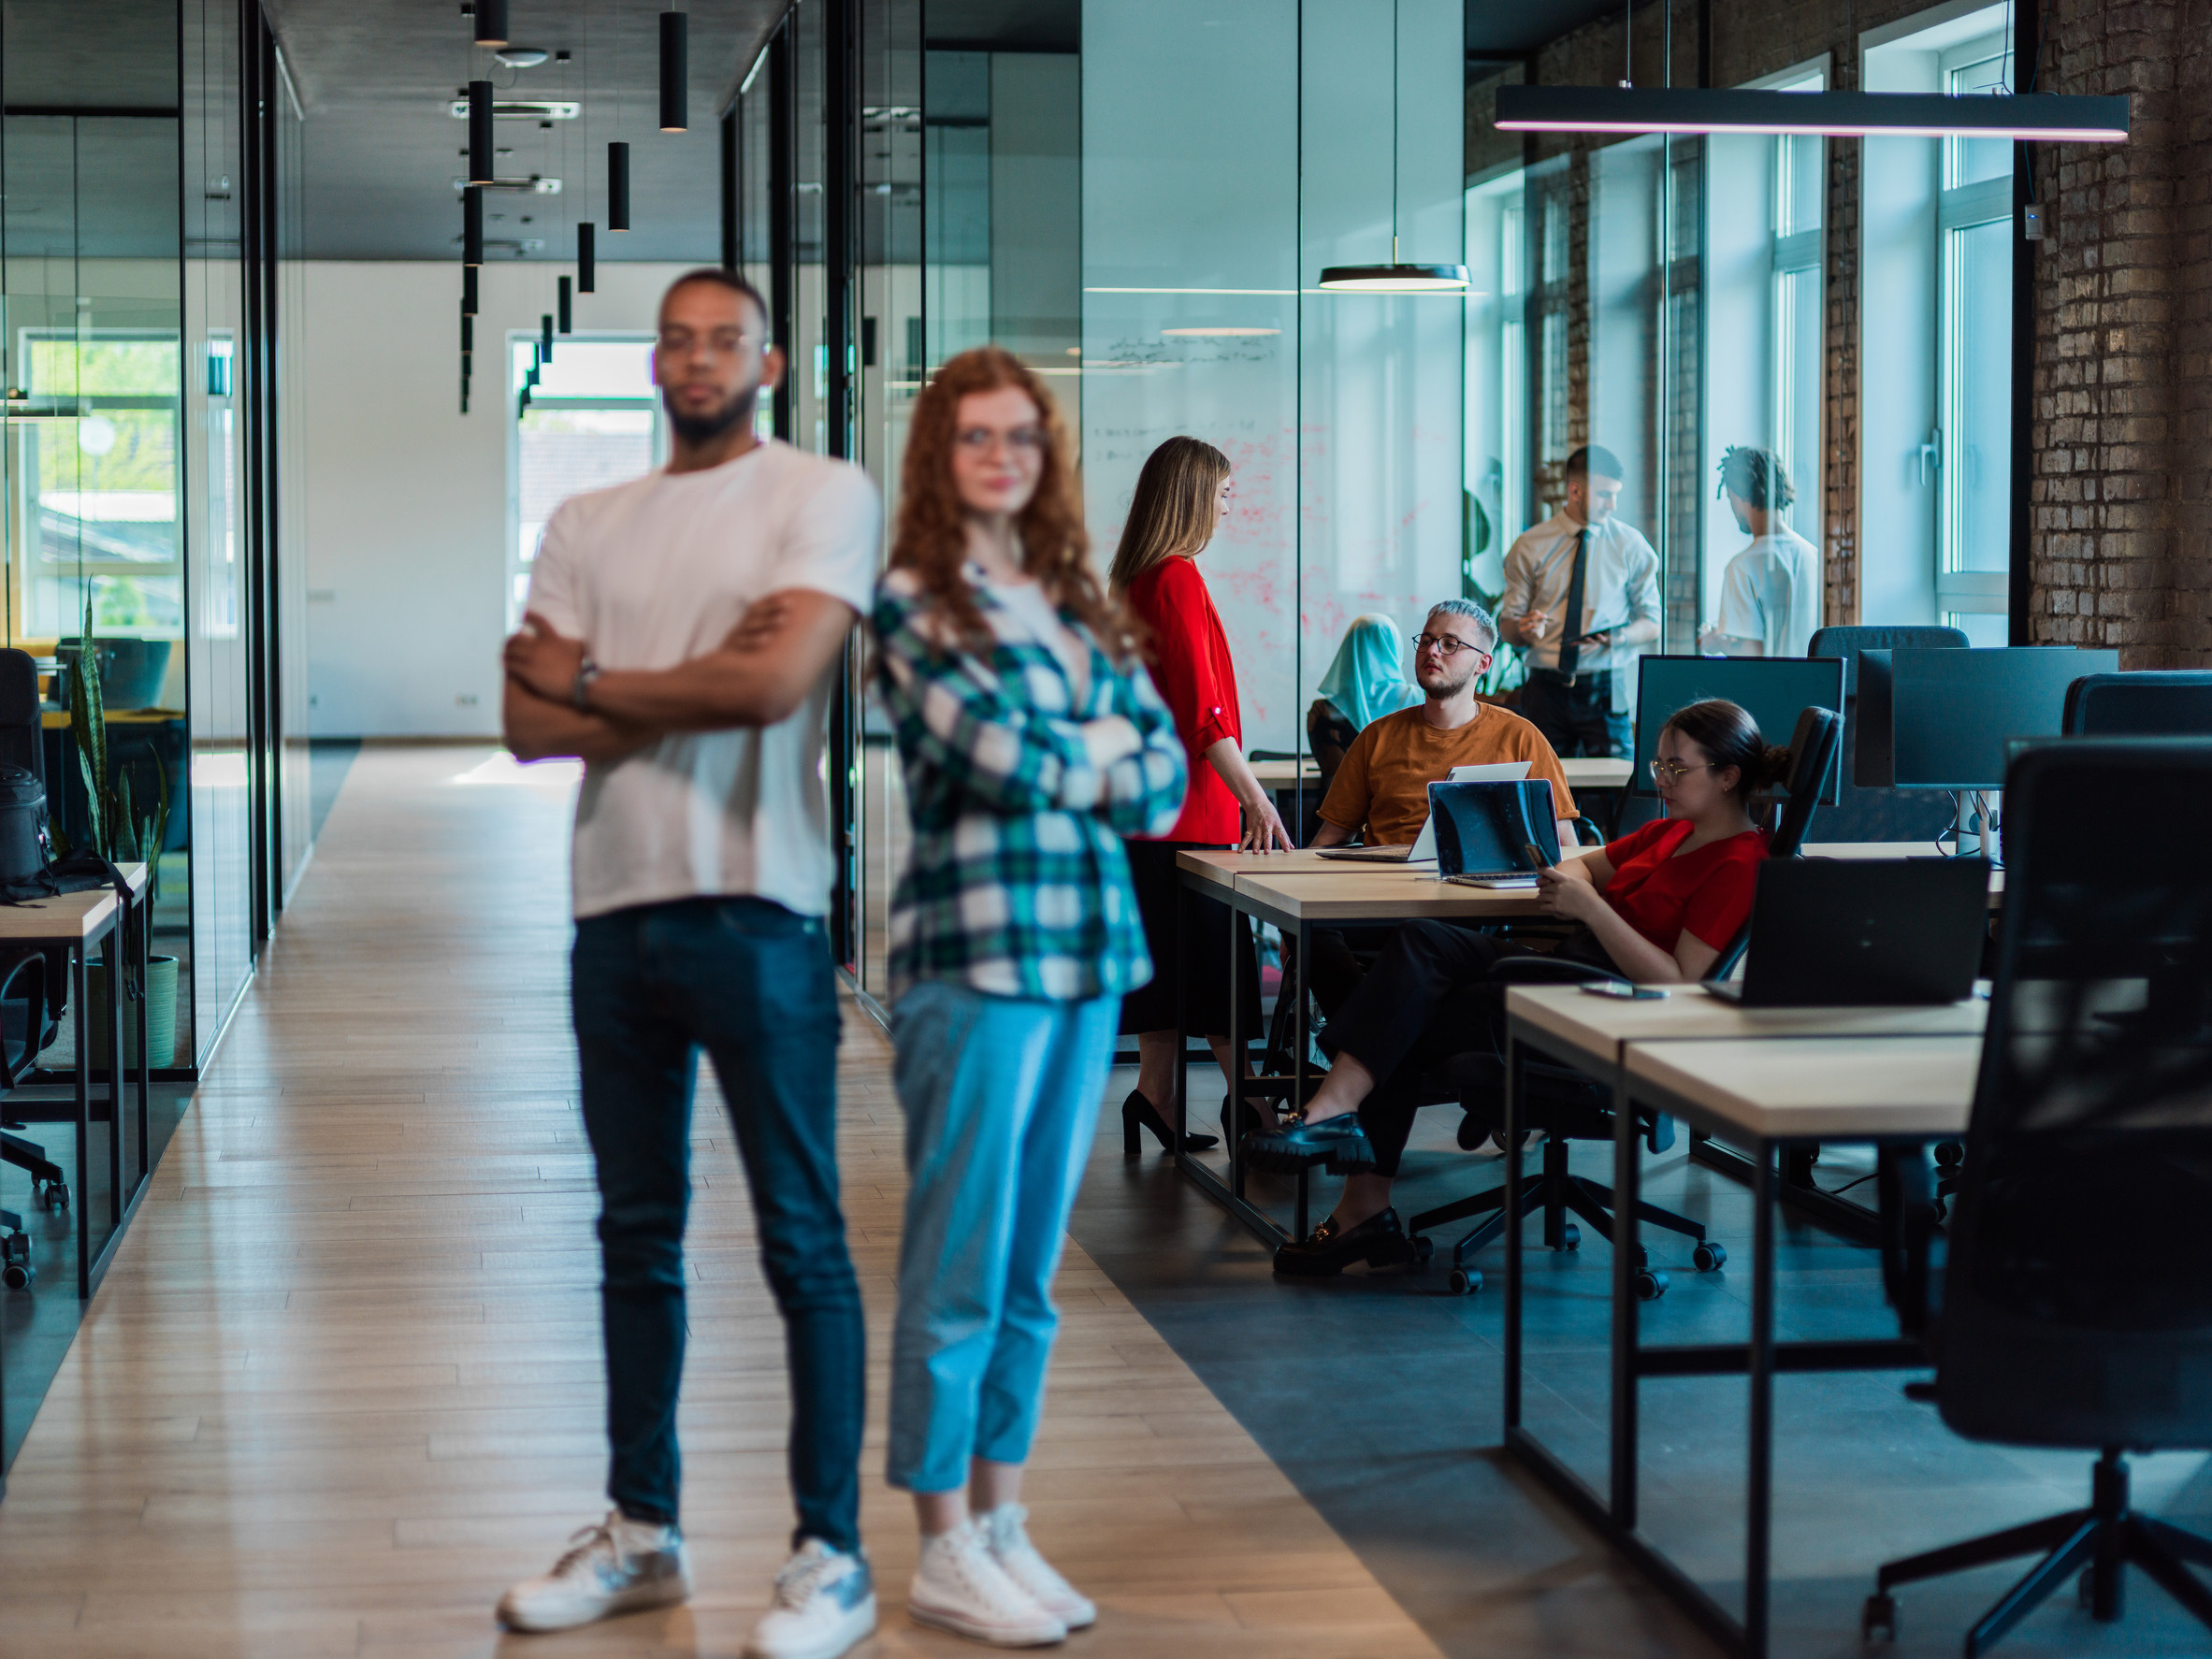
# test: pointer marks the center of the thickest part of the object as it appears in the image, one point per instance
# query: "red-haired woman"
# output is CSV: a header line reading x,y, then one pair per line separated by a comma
x,y
1032,741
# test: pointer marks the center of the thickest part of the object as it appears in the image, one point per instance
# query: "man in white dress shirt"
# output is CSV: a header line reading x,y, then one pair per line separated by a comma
x,y
1582,593
1769,596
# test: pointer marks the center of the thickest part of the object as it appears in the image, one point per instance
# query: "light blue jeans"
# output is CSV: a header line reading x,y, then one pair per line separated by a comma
x,y
1001,1096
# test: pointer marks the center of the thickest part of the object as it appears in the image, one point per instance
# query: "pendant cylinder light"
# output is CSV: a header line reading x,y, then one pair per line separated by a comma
x,y
468,334
481,152
675,72
567,325
491,22
545,338
469,304
587,257
618,186
472,225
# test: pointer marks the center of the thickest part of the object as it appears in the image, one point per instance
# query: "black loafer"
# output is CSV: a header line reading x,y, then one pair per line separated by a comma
x,y
1339,1141
1379,1241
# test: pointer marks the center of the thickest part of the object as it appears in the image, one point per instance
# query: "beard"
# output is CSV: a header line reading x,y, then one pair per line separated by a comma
x,y
705,429
1445,685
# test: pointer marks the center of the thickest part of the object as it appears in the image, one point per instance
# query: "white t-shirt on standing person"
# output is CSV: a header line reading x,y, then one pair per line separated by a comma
x,y
1770,593
656,572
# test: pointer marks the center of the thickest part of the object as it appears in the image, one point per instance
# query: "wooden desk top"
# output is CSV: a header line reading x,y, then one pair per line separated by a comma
x,y
1581,774
1823,1088
68,918
1282,774
1597,1025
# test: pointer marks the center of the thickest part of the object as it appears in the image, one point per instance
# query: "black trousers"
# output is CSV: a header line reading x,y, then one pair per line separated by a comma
x,y
1577,719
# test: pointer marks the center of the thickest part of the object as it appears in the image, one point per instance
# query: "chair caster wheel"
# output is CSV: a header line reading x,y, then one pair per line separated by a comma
x,y
55,1195
18,1276
1710,1258
1571,1238
1650,1285
1465,1281
1877,1620
1423,1249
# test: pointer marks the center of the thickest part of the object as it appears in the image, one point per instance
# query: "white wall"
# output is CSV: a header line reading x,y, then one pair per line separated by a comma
x,y
406,498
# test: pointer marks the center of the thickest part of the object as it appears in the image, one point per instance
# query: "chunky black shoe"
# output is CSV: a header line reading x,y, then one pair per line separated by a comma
x,y
1379,1241
1339,1141
1138,1112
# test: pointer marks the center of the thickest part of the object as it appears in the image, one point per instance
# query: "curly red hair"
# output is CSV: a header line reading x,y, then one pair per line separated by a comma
x,y
930,538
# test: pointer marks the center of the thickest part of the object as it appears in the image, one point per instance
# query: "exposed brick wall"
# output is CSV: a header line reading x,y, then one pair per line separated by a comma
x,y
2121,551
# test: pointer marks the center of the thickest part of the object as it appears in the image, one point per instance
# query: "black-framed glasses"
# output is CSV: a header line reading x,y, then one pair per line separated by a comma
x,y
1449,644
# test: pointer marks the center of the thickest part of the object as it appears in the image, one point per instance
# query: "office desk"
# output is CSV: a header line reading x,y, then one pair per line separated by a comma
x,y
1297,892
76,922
1806,1075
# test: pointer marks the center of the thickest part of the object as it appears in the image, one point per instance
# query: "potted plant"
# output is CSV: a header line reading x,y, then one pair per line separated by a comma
x,y
121,833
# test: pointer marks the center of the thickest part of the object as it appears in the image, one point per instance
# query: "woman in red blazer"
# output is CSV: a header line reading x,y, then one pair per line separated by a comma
x,y
1181,497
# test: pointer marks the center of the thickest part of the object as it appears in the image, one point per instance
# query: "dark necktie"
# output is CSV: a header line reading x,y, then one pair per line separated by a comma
x,y
1571,624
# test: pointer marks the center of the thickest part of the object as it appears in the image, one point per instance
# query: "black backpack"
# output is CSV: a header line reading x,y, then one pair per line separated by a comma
x,y
26,856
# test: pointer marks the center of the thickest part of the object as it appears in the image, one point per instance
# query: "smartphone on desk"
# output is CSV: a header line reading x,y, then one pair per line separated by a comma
x,y
1621,991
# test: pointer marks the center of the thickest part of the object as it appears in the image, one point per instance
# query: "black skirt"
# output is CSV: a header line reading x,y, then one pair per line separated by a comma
x,y
1151,1007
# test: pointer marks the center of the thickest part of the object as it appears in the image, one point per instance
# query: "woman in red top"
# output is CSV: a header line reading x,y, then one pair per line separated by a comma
x,y
1659,905
1183,494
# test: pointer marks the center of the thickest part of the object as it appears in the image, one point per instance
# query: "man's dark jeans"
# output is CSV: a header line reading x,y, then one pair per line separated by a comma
x,y
749,982
1578,719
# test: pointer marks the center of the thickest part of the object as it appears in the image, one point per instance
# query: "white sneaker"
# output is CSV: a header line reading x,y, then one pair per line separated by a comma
x,y
825,1602
1005,1532
960,1587
617,1567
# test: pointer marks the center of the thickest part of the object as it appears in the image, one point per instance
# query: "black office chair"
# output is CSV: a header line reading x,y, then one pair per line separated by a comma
x,y
2170,703
28,1019
1879,814
1565,1105
2073,1308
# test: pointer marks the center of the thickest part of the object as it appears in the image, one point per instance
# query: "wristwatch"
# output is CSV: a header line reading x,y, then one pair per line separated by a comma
x,y
580,690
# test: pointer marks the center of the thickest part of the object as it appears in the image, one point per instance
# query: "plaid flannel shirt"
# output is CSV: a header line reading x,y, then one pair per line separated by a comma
x,y
1016,883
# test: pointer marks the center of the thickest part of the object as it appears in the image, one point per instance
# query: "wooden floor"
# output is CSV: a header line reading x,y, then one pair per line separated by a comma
x,y
342,1382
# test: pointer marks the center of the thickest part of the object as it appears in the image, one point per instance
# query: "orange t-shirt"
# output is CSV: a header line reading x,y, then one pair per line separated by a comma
x,y
1382,786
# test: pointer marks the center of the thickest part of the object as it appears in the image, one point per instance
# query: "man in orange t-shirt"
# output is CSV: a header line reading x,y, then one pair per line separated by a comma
x,y
1380,791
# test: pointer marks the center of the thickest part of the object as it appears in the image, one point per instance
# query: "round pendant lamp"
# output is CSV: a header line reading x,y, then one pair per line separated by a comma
x,y
1396,277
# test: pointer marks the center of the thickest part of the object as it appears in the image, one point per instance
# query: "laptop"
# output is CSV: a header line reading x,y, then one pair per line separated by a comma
x,y
1861,932
1494,835
1424,847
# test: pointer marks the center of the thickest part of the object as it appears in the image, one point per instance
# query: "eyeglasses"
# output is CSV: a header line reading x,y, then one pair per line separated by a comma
x,y
1450,645
981,440
1673,772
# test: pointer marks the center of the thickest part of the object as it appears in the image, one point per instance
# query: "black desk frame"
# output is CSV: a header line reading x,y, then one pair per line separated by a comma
x,y
1614,1513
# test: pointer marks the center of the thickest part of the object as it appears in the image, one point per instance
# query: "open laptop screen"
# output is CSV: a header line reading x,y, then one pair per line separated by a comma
x,y
1487,829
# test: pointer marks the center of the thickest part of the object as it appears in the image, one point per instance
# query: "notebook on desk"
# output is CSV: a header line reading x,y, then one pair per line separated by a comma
x,y
1424,847
1858,933
1494,835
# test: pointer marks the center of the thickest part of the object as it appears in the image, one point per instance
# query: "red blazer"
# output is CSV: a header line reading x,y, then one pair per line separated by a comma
x,y
1192,667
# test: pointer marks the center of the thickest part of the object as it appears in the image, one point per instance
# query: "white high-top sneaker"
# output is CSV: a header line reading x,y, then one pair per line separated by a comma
x,y
617,1567
825,1602
1007,1532
960,1586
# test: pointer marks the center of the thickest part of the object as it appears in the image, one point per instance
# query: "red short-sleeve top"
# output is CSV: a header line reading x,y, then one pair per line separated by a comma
x,y
1706,893
1198,680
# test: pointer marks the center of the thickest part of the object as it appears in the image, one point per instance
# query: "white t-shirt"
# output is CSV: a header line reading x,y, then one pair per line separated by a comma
x,y
656,572
1770,593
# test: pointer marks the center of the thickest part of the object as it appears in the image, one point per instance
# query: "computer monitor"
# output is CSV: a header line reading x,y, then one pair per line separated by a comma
x,y
1951,712
1772,690
2153,702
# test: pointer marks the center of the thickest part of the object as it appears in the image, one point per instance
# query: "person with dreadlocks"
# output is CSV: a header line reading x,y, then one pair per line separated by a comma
x,y
1769,596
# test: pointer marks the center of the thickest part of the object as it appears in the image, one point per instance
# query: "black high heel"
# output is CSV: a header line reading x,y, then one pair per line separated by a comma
x,y
1137,1112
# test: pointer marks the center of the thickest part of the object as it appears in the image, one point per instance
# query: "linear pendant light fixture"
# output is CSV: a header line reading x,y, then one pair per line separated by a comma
x,y
481,152
617,185
587,257
675,72
1395,277
2031,117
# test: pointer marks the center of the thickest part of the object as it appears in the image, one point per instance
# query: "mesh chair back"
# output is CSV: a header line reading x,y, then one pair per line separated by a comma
x,y
2076,1308
20,740
1847,643
1812,750
2168,704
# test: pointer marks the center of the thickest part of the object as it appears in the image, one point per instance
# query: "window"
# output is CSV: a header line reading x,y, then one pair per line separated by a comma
x,y
1496,413
1800,178
594,421
1973,219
